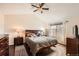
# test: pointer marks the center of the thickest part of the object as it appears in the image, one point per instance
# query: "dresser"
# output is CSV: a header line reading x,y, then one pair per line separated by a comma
x,y
4,46
72,47
18,41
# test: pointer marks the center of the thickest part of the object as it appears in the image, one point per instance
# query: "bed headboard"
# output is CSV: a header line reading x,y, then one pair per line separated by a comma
x,y
31,31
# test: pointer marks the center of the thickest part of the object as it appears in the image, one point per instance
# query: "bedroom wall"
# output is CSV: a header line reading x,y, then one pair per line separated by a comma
x,y
27,21
69,27
1,24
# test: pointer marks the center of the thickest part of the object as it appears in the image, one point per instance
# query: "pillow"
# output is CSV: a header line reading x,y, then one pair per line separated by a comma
x,y
33,35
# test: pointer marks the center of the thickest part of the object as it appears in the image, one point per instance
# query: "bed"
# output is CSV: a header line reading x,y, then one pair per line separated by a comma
x,y
36,43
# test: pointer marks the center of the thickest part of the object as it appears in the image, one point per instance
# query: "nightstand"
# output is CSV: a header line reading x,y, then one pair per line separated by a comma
x,y
18,41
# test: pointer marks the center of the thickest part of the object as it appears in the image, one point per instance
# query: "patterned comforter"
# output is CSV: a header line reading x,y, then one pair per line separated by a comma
x,y
36,43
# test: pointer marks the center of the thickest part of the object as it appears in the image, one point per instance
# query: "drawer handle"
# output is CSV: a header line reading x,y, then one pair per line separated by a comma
x,y
2,43
68,54
1,50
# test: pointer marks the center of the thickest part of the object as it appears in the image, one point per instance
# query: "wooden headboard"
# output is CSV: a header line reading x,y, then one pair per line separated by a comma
x,y
31,31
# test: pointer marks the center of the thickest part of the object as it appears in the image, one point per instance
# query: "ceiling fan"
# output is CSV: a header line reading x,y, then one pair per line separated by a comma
x,y
39,7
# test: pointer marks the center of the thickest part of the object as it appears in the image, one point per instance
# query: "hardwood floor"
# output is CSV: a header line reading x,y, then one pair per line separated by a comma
x,y
20,51
59,50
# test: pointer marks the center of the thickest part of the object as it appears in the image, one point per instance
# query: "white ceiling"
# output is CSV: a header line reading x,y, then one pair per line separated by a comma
x,y
57,11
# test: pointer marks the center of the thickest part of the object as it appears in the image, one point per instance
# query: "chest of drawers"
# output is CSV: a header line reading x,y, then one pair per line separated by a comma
x,y
4,46
72,47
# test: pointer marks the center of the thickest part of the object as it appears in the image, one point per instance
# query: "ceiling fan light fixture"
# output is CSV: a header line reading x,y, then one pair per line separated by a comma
x,y
39,7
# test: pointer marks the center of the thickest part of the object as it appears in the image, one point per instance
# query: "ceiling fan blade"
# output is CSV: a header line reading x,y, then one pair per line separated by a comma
x,y
34,6
35,10
42,4
45,8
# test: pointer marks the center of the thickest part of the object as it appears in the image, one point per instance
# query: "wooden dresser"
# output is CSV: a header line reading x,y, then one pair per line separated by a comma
x,y
72,47
4,46
18,41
